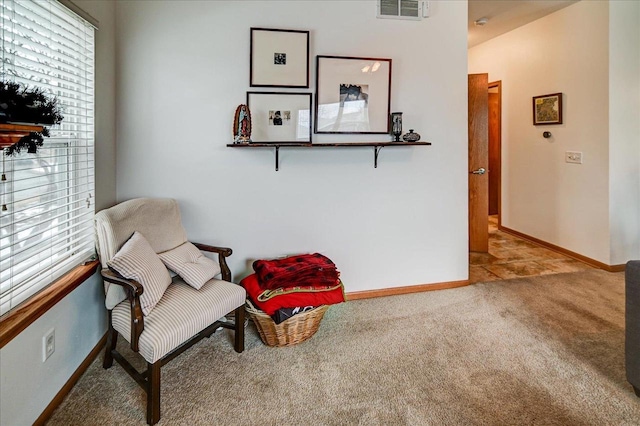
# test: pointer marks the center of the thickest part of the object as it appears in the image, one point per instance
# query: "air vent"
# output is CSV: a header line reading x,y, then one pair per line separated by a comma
x,y
403,9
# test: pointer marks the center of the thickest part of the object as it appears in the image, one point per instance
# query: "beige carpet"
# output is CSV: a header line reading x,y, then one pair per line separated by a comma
x,y
543,350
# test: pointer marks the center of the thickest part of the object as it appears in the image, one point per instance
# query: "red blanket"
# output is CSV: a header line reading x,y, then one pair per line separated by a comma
x,y
270,301
300,270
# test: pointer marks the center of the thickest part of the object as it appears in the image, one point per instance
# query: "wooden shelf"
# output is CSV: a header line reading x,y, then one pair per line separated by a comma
x,y
12,133
377,146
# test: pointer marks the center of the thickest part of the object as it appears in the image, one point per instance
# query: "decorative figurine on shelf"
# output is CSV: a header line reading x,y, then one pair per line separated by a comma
x,y
396,125
242,125
411,136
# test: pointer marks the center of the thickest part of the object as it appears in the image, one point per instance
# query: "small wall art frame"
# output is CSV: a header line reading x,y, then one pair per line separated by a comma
x,y
353,95
280,117
279,58
547,109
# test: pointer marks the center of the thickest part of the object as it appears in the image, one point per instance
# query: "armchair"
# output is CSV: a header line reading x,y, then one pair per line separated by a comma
x,y
183,315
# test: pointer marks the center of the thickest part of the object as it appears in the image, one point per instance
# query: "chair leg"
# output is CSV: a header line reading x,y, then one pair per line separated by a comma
x,y
238,345
112,339
153,392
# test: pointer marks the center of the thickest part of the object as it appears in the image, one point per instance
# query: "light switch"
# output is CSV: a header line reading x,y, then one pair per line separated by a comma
x,y
573,157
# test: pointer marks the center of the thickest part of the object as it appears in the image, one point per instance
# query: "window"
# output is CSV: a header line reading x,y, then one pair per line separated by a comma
x,y
46,220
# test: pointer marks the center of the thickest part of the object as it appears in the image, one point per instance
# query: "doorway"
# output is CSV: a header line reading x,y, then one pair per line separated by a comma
x,y
495,151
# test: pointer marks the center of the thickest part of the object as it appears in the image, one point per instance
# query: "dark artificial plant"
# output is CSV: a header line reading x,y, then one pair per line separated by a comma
x,y
21,104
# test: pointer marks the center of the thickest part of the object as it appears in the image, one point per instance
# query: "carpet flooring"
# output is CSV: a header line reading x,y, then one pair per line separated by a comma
x,y
545,350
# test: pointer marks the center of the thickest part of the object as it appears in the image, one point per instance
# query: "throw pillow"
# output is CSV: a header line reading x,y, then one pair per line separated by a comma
x,y
189,262
136,260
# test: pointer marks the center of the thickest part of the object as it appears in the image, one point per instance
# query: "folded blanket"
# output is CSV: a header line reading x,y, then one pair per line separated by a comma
x,y
300,270
269,301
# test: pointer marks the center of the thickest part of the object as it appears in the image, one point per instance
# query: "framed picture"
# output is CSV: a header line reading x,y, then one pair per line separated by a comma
x,y
283,117
547,109
279,58
353,95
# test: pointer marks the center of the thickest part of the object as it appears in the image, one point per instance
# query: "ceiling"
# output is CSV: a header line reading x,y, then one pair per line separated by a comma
x,y
506,15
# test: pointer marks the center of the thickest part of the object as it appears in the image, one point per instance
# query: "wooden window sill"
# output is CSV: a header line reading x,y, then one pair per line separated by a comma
x,y
15,321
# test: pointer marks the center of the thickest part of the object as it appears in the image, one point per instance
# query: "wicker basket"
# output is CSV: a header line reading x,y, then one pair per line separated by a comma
x,y
290,332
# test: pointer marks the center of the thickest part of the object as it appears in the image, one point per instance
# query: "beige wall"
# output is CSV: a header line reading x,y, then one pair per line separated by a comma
x,y
624,130
542,195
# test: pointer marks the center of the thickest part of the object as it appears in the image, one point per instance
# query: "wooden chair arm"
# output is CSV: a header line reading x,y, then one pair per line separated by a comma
x,y
130,286
133,289
223,253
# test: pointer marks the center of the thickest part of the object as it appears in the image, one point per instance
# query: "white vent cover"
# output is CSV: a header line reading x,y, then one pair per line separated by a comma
x,y
403,9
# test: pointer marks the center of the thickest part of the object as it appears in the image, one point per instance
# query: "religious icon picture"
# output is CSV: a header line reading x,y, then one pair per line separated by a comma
x,y
242,125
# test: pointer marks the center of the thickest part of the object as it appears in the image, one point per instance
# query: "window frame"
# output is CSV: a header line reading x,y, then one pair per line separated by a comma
x,y
68,266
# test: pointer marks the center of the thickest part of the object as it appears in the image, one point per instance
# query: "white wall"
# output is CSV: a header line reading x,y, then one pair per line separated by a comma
x,y
183,67
624,130
105,94
542,196
27,385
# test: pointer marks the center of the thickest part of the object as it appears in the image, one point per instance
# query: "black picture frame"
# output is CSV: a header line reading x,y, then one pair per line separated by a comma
x,y
292,110
360,84
547,109
279,58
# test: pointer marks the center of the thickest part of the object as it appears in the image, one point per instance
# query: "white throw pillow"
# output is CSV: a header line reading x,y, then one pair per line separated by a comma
x,y
137,261
189,262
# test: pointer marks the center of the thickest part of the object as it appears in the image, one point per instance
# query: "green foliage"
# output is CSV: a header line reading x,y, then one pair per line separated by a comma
x,y
21,104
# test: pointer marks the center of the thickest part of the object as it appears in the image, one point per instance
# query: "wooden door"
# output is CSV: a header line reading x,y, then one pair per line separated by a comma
x,y
478,162
494,148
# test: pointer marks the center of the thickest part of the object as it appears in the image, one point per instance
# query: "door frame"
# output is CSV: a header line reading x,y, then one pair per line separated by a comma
x,y
498,84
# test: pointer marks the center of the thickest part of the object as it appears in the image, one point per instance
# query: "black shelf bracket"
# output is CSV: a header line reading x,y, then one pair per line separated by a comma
x,y
277,157
376,151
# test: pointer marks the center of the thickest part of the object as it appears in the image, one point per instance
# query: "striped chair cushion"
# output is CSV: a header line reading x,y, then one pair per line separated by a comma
x,y
189,262
181,313
137,261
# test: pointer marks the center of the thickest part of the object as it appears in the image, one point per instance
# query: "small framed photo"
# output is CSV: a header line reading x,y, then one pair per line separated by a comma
x,y
353,95
547,109
279,58
280,117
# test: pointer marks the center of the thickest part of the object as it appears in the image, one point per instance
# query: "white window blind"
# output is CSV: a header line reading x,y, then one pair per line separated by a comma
x,y
47,198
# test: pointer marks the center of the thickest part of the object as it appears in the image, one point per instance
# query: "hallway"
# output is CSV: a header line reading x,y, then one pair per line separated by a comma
x,y
513,257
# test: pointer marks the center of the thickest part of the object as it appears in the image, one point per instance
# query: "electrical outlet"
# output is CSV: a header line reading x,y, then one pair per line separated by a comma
x,y
573,157
48,344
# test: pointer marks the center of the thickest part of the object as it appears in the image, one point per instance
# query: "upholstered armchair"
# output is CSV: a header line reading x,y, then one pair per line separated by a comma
x,y
139,242
632,324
